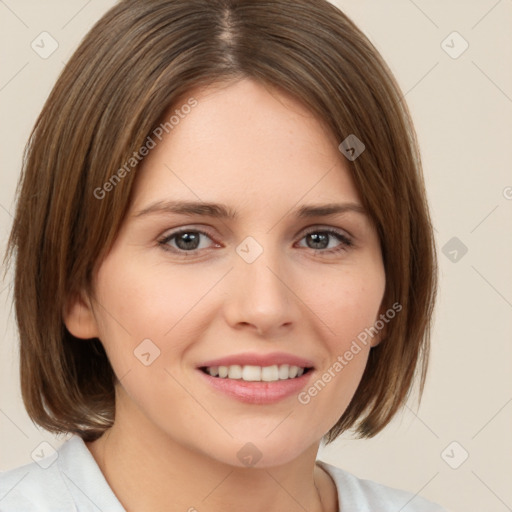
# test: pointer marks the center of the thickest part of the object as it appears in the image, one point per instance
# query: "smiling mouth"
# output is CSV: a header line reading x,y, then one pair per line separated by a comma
x,y
251,373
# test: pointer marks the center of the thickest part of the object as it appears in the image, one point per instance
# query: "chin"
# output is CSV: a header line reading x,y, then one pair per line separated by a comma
x,y
262,451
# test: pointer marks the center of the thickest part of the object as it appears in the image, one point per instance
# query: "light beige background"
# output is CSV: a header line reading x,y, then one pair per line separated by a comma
x,y
463,113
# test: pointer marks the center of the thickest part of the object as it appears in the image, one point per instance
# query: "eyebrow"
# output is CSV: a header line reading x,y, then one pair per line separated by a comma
x,y
222,211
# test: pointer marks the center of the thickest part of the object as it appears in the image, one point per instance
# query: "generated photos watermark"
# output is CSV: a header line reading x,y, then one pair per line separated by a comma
x,y
149,144
362,339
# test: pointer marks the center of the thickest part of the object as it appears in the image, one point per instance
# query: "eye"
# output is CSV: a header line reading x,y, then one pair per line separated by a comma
x,y
327,240
189,241
186,240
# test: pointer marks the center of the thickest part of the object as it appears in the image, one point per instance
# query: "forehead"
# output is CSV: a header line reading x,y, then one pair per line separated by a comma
x,y
244,142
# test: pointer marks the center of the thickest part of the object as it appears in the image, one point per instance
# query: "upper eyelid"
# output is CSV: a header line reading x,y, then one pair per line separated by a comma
x,y
177,231
326,228
205,230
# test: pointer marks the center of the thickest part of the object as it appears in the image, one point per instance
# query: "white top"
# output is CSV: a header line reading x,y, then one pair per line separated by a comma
x,y
69,480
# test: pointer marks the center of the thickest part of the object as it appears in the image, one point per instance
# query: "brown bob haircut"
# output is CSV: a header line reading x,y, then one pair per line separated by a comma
x,y
130,69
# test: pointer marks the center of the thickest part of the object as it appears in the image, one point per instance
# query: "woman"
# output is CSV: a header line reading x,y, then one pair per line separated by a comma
x,y
223,255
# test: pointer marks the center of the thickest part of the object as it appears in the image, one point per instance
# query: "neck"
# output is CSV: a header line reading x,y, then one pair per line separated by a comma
x,y
147,470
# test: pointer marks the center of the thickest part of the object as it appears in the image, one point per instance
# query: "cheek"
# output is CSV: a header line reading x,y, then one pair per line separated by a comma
x,y
346,302
147,299
346,305
148,302
146,314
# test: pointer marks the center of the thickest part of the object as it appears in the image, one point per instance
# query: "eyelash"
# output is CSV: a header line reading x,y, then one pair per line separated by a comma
x,y
345,244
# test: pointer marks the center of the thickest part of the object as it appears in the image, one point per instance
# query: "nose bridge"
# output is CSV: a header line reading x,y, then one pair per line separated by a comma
x,y
259,262
259,296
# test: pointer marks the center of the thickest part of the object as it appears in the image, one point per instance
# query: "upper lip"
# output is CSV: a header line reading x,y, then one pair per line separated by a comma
x,y
253,359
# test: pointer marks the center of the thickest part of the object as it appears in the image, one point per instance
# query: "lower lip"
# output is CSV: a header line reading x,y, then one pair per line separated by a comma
x,y
258,392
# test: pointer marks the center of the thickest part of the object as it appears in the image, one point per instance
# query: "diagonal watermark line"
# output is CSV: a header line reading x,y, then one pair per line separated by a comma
x,y
192,307
167,167
14,76
280,423
416,494
5,495
485,15
424,14
418,82
125,374
112,316
508,508
300,198
494,288
501,408
422,421
2,2
492,81
492,211
200,199
217,486
76,14
198,402
6,210
284,489
332,332
88,497
13,423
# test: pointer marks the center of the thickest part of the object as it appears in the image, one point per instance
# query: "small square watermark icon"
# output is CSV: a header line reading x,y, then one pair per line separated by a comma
x,y
44,455
249,455
454,45
249,250
454,249
454,455
44,45
146,352
351,147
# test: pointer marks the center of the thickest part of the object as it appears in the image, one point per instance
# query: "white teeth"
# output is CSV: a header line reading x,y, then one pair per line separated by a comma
x,y
235,372
284,371
270,373
251,373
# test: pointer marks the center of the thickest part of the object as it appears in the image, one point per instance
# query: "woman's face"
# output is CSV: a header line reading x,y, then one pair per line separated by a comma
x,y
271,283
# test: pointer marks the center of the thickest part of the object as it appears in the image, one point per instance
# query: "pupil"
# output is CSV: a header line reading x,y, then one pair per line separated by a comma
x,y
188,241
321,239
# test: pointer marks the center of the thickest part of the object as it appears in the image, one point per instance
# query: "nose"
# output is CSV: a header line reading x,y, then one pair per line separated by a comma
x,y
259,296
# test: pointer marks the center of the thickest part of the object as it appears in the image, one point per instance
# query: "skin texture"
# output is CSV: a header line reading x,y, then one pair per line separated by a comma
x,y
175,439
